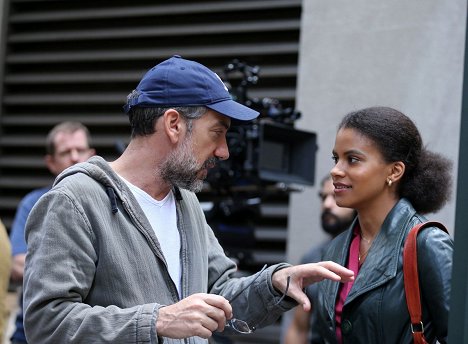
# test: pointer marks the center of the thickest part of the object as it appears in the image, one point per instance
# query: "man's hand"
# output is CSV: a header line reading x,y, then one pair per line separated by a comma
x,y
197,315
306,274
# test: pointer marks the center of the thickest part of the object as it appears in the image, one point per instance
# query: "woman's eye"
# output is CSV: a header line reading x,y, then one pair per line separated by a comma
x,y
353,159
335,159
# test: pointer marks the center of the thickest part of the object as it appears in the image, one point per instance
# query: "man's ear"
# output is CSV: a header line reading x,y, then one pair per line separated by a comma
x,y
50,163
173,124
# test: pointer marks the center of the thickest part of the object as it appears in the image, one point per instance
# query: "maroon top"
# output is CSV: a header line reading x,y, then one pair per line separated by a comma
x,y
343,291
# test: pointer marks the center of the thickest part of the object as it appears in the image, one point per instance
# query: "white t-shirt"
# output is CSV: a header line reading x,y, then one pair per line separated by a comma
x,y
163,218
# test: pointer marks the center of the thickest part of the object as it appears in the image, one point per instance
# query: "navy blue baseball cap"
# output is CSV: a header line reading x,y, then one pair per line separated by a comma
x,y
180,82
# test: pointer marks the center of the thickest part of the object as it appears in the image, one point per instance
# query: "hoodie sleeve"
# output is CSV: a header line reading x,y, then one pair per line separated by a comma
x,y
60,267
256,300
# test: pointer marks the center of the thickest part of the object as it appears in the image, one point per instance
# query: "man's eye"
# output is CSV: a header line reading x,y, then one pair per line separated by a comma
x,y
65,153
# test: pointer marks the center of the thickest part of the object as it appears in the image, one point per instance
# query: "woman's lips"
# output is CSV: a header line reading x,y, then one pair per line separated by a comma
x,y
340,187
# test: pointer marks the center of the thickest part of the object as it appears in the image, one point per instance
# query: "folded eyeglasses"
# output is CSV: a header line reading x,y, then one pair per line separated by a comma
x,y
242,326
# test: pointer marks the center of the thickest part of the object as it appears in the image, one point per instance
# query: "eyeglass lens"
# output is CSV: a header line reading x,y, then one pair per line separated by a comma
x,y
239,325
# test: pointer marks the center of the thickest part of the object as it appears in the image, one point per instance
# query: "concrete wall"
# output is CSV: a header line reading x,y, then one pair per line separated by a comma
x,y
355,54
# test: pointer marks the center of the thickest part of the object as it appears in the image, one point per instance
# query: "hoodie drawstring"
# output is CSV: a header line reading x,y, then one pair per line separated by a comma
x,y
111,194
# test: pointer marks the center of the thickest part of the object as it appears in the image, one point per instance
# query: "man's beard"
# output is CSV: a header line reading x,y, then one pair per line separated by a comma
x,y
181,168
334,225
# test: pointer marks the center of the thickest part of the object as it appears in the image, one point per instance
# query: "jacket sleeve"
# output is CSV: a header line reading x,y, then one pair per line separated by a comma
x,y
257,302
59,272
435,251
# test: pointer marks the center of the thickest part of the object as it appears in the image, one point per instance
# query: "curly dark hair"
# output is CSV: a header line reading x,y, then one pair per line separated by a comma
x,y
427,181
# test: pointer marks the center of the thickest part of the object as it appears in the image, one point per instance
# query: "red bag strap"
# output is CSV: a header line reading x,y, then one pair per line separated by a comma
x,y
411,279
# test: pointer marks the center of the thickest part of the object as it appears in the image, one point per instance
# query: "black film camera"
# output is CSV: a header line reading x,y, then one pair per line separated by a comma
x,y
266,150
267,155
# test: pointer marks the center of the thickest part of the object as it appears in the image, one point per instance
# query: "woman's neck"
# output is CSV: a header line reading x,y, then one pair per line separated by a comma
x,y
372,218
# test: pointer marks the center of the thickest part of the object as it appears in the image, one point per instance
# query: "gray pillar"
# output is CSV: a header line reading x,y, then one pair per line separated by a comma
x,y
458,321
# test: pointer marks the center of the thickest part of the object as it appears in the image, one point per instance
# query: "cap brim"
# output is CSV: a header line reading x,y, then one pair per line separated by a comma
x,y
234,110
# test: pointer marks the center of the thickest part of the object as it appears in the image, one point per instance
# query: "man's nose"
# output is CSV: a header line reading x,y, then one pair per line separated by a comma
x,y
74,155
329,201
222,152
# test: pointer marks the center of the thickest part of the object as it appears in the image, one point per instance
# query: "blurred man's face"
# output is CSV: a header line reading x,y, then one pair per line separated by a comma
x,y
70,148
335,219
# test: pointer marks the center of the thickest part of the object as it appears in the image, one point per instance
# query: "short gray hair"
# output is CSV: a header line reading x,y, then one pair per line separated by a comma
x,y
65,127
143,119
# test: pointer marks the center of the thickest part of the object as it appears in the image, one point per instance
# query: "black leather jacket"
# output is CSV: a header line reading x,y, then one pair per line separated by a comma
x,y
375,310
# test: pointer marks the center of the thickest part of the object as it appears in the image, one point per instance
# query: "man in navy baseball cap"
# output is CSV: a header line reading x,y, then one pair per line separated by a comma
x,y
177,82
139,262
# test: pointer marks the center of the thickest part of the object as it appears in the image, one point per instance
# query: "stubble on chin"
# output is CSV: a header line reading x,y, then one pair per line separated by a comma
x,y
181,169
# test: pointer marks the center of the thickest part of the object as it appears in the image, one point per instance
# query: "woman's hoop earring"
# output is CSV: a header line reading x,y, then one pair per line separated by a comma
x,y
389,182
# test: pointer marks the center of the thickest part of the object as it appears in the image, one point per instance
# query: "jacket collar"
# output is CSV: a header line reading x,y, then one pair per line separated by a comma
x,y
381,263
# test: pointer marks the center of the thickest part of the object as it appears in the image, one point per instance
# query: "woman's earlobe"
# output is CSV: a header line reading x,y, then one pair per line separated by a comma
x,y
398,170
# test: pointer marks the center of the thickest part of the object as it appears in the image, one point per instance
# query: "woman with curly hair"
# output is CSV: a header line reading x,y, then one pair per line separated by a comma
x,y
384,172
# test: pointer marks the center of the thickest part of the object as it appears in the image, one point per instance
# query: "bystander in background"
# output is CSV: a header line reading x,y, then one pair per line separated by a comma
x,y
66,144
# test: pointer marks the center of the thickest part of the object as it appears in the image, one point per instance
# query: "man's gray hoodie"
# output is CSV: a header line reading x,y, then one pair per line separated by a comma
x,y
95,272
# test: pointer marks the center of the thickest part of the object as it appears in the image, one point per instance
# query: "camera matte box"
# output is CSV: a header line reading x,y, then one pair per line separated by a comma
x,y
286,154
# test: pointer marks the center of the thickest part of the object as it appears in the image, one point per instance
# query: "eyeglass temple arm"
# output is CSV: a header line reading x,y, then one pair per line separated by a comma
x,y
249,284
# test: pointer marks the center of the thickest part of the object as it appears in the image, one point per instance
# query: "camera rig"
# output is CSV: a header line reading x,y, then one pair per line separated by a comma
x,y
264,151
268,156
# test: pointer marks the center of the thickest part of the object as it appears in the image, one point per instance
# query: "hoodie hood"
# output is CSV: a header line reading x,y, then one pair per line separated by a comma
x,y
99,169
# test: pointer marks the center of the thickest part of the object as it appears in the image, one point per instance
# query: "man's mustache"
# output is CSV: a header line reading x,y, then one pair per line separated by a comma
x,y
211,162
327,215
